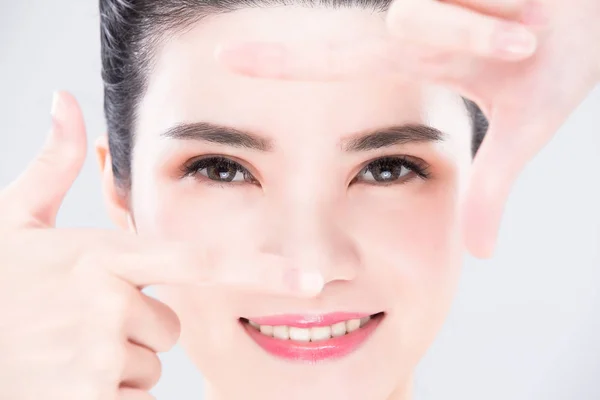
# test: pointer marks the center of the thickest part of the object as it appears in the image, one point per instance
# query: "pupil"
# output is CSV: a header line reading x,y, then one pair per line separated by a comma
x,y
222,172
386,173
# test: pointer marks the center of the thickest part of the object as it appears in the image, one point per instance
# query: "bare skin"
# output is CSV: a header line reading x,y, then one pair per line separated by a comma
x,y
75,324
528,64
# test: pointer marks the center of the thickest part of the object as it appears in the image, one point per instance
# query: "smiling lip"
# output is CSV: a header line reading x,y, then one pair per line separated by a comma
x,y
293,350
308,321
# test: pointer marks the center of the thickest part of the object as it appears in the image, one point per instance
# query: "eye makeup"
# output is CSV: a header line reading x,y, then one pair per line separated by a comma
x,y
383,171
392,170
218,169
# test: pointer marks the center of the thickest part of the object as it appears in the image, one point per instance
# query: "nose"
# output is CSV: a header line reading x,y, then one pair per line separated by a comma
x,y
309,232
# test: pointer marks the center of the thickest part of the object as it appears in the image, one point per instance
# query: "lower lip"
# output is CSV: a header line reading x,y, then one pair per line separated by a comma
x,y
313,352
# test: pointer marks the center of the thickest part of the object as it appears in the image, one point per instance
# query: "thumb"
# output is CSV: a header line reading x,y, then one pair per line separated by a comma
x,y
37,194
507,148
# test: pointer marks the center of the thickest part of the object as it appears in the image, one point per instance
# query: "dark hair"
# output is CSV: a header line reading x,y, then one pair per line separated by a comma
x,y
131,30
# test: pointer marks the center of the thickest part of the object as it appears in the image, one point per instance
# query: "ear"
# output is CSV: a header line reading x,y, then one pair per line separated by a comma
x,y
115,199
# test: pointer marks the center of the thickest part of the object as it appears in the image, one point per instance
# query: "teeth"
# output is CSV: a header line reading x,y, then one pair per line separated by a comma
x,y
266,330
311,334
352,325
338,329
320,333
300,334
281,332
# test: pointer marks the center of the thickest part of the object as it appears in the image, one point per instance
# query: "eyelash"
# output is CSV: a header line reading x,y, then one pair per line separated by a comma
x,y
418,167
193,169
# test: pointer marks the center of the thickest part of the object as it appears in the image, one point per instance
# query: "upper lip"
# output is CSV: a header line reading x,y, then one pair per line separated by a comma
x,y
307,320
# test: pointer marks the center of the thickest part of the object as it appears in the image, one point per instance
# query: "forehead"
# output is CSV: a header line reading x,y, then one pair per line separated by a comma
x,y
187,85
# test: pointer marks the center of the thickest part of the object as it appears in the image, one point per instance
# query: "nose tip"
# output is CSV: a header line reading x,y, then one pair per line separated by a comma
x,y
307,227
321,248
332,258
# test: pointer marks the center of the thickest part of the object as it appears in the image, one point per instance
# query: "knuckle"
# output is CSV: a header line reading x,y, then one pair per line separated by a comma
x,y
110,302
84,389
48,158
155,372
172,331
165,325
57,158
115,303
88,262
106,359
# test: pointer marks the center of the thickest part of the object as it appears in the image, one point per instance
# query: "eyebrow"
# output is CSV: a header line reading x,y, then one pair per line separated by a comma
x,y
364,141
219,134
392,136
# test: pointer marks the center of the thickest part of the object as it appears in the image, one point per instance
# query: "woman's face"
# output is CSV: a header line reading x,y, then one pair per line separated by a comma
x,y
360,180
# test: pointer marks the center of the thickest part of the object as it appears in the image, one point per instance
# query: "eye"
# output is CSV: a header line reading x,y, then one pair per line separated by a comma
x,y
219,169
390,170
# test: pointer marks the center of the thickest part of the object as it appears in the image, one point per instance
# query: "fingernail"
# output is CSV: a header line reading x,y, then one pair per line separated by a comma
x,y
303,281
515,40
311,282
55,110
56,104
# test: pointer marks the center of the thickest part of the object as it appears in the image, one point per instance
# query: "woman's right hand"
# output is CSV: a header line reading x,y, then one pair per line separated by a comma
x,y
74,323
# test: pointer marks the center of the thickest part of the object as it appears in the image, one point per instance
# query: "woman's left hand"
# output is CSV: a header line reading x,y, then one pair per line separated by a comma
x,y
526,87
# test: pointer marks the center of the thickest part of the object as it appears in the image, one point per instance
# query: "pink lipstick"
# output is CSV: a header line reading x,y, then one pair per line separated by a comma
x,y
312,338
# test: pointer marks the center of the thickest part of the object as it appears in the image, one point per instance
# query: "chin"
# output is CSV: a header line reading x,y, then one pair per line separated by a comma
x,y
323,383
241,365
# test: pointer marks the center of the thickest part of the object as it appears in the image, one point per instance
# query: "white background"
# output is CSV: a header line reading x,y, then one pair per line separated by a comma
x,y
525,325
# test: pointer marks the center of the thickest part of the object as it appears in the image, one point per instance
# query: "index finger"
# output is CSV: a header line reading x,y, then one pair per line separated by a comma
x,y
307,61
422,36
147,262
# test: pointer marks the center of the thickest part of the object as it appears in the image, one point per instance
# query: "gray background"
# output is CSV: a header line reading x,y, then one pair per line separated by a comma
x,y
525,325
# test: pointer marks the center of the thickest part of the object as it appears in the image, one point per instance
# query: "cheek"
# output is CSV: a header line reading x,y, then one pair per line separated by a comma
x,y
411,246
191,211
416,230
211,217
202,322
